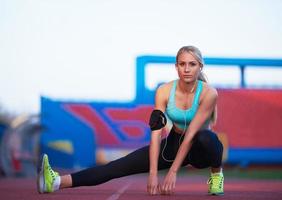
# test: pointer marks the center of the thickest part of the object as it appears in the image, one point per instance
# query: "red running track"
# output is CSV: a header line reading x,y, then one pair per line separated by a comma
x,y
134,187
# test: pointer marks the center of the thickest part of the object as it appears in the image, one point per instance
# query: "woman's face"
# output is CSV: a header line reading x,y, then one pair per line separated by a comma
x,y
188,68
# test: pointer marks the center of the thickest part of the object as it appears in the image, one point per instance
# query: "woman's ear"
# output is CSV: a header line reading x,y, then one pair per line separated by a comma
x,y
201,66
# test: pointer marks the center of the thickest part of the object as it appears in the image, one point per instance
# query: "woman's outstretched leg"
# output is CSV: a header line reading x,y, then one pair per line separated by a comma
x,y
133,163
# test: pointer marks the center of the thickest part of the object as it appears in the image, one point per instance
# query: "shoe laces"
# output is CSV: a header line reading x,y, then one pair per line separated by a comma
x,y
215,181
52,172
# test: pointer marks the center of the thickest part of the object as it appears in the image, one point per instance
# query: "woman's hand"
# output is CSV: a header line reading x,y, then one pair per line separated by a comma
x,y
168,185
153,184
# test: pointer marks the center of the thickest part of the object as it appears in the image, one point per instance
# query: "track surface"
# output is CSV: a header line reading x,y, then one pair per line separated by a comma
x,y
134,187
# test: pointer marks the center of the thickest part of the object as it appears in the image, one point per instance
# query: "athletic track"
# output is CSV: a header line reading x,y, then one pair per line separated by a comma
x,y
134,187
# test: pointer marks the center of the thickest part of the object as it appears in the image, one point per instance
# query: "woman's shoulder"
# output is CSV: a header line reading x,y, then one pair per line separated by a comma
x,y
162,95
164,89
165,86
208,91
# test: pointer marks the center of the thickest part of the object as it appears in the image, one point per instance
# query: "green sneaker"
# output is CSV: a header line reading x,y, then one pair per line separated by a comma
x,y
216,182
46,177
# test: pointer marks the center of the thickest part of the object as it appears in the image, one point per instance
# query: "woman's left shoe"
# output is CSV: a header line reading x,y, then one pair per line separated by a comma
x,y
216,184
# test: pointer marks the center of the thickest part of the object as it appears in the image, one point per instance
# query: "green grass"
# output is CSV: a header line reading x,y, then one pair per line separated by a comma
x,y
252,172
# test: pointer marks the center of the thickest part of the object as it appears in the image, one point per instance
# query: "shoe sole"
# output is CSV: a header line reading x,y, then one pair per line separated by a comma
x,y
41,178
216,194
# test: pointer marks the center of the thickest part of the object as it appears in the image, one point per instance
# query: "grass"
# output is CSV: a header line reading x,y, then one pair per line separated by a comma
x,y
250,172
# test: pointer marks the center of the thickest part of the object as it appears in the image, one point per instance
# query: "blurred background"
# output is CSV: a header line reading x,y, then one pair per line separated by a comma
x,y
77,78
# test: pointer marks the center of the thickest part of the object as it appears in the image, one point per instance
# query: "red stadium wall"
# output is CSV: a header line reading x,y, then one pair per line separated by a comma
x,y
250,118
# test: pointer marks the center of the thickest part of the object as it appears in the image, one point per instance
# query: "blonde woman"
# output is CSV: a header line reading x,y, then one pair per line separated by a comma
x,y
190,103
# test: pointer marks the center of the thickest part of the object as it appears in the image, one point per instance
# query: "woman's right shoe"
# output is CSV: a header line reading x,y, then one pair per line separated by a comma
x,y
46,177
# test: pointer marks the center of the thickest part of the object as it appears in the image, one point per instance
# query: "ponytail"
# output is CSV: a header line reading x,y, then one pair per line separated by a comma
x,y
202,77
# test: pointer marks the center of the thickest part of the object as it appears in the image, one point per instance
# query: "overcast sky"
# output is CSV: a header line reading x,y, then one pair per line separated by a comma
x,y
86,49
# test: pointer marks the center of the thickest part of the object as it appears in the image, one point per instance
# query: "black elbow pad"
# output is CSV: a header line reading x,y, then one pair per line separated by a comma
x,y
157,120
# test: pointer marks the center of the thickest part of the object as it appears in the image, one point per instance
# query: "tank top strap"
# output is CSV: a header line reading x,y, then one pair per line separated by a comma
x,y
172,93
198,93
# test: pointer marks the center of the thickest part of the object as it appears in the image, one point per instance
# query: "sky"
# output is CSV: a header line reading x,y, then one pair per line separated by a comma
x,y
87,49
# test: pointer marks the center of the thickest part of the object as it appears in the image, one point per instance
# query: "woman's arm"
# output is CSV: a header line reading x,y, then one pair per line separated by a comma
x,y
154,151
204,112
153,183
160,104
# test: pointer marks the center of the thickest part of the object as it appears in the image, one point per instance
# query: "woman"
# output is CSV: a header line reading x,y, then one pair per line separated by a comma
x,y
190,103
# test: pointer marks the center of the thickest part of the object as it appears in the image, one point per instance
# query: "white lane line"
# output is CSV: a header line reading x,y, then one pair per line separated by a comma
x,y
116,195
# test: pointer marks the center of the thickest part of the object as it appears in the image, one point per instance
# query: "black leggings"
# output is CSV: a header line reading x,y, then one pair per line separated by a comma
x,y
206,151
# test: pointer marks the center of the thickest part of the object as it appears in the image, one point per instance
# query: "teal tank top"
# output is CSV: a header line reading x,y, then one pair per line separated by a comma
x,y
182,118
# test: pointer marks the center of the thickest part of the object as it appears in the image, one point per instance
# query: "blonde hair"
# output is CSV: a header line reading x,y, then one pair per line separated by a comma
x,y
196,53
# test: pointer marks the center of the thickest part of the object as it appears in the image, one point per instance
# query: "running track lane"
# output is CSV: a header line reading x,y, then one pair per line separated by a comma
x,y
134,187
